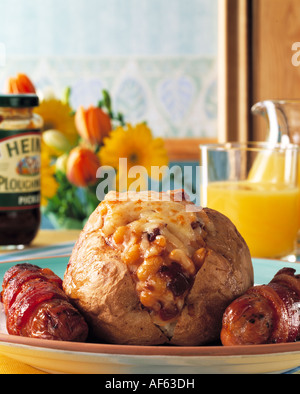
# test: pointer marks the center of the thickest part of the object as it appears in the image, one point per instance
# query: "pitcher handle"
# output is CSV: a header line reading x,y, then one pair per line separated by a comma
x,y
277,121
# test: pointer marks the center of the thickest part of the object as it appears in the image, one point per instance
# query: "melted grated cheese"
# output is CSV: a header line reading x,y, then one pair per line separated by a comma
x,y
153,230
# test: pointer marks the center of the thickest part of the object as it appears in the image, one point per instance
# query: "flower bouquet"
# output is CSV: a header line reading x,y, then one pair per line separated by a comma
x,y
77,145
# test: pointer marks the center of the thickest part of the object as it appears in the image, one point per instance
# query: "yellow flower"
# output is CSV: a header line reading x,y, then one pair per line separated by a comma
x,y
49,185
137,145
58,115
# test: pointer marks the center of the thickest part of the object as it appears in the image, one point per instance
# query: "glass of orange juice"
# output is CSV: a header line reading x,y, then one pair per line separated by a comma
x,y
255,184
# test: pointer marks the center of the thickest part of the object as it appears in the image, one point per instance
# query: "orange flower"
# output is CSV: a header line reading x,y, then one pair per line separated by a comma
x,y
82,166
92,124
19,85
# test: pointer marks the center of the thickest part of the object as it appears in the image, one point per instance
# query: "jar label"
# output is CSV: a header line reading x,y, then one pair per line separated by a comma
x,y
20,169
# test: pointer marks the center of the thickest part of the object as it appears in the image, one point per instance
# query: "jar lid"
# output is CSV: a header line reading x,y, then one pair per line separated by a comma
x,y
19,100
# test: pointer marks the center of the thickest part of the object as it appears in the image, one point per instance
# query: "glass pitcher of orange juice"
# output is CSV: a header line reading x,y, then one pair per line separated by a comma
x,y
283,120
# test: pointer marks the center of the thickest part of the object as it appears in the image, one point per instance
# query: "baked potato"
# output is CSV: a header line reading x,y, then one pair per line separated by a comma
x,y
152,268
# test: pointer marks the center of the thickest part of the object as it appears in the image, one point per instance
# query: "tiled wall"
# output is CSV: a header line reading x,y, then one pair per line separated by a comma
x,y
157,57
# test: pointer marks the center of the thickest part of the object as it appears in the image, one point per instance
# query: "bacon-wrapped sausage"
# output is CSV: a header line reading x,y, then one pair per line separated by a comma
x,y
36,306
266,313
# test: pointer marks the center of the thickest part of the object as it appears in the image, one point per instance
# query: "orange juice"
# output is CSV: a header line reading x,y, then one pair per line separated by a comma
x,y
271,167
265,214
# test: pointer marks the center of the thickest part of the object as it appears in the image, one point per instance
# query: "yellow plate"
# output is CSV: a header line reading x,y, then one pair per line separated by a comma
x,y
78,358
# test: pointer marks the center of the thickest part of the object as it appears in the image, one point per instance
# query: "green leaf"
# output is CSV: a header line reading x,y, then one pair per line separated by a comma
x,y
107,100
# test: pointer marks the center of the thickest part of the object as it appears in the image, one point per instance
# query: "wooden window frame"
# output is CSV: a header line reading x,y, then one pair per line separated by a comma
x,y
185,149
234,70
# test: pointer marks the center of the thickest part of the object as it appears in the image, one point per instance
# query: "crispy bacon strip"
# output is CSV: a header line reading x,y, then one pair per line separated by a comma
x,y
36,306
266,313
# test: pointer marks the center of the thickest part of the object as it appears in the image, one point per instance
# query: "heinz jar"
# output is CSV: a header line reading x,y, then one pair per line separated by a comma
x,y
20,170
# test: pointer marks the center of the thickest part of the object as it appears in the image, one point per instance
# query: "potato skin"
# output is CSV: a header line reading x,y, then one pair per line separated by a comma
x,y
101,286
226,274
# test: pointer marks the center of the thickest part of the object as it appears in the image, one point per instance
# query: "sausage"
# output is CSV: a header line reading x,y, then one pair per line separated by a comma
x,y
36,305
265,313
